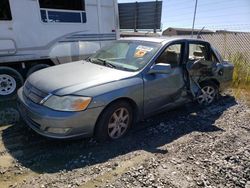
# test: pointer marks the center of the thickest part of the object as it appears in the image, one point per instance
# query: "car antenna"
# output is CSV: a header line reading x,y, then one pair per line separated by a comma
x,y
198,35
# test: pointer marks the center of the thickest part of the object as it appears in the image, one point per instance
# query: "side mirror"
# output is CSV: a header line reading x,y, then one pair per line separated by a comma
x,y
160,68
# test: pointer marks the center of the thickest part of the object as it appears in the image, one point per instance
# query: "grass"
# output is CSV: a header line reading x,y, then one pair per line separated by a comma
x,y
241,77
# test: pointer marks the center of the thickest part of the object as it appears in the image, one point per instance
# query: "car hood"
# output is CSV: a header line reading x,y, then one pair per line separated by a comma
x,y
72,77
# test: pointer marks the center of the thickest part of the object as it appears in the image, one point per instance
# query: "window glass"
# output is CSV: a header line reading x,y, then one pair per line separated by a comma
x,y
129,55
118,50
63,4
43,15
172,55
5,13
55,16
66,11
218,55
198,51
214,58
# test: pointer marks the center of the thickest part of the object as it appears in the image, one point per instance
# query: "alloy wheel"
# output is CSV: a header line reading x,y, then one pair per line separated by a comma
x,y
118,123
207,95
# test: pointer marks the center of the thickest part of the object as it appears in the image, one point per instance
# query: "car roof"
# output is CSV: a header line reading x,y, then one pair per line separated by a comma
x,y
162,40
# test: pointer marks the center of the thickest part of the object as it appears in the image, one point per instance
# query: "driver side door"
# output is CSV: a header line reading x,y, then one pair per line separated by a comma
x,y
162,89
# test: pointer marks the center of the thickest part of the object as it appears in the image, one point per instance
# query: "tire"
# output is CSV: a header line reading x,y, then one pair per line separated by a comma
x,y
9,116
36,68
10,82
208,93
110,125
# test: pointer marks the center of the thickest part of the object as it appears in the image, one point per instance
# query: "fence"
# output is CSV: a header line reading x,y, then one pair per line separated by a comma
x,y
230,44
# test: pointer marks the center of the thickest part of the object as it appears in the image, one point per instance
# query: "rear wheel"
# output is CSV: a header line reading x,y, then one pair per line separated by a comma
x,y
10,81
114,122
208,93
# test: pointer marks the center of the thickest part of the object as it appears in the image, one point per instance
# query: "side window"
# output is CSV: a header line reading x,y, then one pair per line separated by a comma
x,y
63,11
5,13
198,51
172,55
214,58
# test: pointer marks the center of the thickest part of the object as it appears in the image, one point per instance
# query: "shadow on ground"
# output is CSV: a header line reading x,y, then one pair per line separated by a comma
x,y
48,156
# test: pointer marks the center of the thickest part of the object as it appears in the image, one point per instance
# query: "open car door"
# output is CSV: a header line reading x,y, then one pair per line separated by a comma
x,y
200,65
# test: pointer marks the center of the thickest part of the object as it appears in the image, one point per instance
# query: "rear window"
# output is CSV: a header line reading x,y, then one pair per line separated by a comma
x,y
5,13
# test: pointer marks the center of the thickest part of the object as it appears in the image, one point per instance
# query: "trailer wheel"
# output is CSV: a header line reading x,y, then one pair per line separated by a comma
x,y
36,68
10,82
9,116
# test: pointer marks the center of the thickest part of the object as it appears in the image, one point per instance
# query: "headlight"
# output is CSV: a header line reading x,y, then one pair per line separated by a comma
x,y
67,103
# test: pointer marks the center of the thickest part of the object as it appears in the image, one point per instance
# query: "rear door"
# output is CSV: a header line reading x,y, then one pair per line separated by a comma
x,y
162,89
201,64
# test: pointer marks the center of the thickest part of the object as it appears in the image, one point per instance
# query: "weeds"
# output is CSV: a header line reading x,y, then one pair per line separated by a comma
x,y
241,77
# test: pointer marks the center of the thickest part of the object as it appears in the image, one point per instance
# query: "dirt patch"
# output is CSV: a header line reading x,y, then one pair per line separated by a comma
x,y
188,147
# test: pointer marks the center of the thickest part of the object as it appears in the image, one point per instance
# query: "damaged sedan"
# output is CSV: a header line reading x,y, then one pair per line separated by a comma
x,y
127,81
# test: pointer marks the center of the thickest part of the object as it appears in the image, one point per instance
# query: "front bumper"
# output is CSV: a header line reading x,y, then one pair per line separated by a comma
x,y
57,124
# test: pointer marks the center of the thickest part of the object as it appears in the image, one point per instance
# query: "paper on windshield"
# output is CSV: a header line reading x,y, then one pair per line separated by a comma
x,y
141,51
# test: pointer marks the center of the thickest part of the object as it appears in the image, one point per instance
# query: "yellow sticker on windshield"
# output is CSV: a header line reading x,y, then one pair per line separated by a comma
x,y
142,51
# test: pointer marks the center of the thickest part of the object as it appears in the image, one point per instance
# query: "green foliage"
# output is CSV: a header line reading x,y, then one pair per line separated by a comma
x,y
241,77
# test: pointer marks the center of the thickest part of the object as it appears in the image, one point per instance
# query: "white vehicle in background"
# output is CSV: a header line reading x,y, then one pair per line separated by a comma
x,y
35,34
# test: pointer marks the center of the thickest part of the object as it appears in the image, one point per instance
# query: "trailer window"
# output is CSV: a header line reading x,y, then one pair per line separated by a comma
x,y
63,4
72,11
5,13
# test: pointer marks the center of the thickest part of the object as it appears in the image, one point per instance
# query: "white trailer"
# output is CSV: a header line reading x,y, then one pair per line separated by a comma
x,y
35,34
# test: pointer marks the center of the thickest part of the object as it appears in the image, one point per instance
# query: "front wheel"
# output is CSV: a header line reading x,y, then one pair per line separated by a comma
x,y
114,122
207,94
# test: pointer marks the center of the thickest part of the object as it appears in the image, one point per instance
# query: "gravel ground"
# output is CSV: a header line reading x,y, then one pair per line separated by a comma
x,y
190,146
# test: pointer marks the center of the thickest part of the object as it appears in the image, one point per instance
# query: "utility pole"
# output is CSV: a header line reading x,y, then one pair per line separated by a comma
x,y
156,16
195,9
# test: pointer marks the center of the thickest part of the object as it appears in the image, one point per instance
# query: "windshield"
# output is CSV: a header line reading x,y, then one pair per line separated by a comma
x,y
126,55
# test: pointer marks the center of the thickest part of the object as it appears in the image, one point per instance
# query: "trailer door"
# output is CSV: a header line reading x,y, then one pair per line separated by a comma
x,y
108,20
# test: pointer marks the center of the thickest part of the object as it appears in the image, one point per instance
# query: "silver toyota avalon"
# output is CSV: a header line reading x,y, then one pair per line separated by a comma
x,y
122,83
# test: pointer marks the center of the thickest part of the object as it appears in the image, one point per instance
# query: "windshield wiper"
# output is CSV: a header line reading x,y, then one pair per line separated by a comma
x,y
105,63
101,62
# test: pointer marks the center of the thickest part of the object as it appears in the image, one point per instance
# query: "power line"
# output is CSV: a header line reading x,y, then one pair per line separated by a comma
x,y
241,27
201,4
209,10
206,18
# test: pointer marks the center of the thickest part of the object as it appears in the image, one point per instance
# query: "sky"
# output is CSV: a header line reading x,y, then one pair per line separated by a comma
x,y
213,14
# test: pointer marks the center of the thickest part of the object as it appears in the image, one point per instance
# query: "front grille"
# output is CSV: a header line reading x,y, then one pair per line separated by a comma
x,y
33,93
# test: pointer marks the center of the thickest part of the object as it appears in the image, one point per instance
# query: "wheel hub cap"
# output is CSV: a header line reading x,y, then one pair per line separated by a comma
x,y
7,84
3,84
